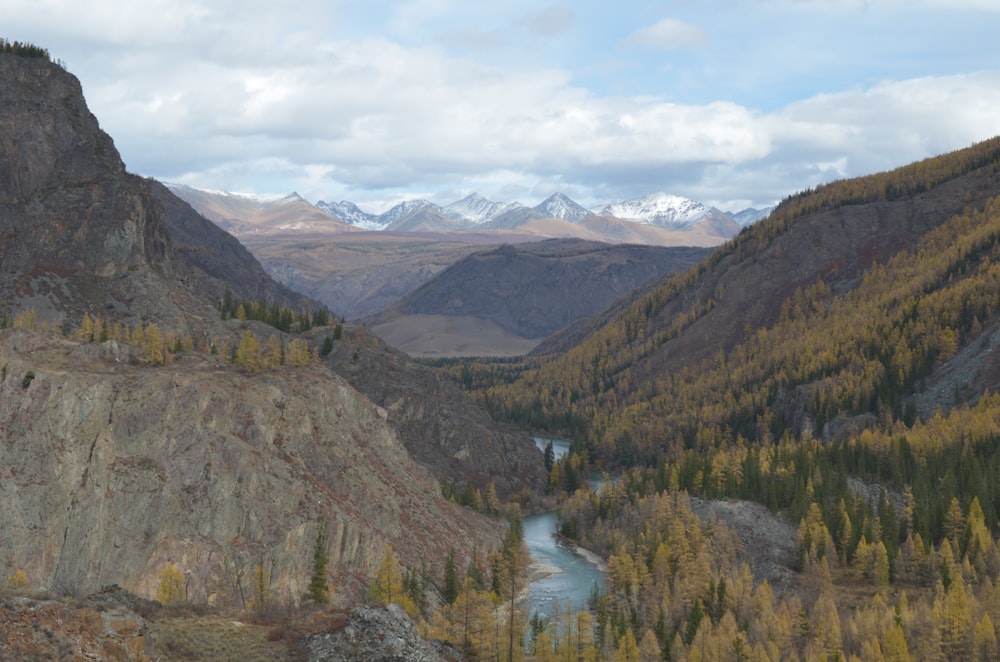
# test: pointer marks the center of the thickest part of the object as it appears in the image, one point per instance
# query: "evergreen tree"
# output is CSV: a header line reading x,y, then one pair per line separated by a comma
x,y
318,591
451,585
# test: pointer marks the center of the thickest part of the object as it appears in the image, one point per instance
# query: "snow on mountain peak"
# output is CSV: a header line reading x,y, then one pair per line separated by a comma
x,y
660,209
477,210
561,206
351,214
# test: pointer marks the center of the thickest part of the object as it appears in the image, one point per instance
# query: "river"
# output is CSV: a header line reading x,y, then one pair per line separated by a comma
x,y
572,576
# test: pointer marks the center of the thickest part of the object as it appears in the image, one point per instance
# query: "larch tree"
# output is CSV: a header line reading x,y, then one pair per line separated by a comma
x,y
171,588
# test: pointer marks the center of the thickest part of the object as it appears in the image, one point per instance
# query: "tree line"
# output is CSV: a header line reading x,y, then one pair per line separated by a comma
x,y
23,49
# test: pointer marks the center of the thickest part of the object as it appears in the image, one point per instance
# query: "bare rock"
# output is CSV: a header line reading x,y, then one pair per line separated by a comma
x,y
374,634
109,472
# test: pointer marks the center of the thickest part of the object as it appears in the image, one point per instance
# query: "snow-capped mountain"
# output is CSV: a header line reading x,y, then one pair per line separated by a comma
x,y
657,218
476,210
404,209
749,216
659,209
351,214
558,205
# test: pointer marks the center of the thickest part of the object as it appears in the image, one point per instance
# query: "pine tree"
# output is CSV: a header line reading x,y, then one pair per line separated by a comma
x,y
86,331
152,345
318,591
491,502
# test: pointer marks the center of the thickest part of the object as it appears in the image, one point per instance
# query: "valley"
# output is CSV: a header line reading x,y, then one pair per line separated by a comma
x,y
230,434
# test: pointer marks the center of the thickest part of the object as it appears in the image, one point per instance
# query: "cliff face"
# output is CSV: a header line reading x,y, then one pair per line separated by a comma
x,y
73,224
80,233
110,471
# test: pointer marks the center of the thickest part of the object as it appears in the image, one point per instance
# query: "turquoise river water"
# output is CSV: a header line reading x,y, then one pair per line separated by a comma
x,y
573,577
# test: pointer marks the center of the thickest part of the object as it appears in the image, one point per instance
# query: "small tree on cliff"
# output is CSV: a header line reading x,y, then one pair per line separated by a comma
x,y
387,586
318,592
171,585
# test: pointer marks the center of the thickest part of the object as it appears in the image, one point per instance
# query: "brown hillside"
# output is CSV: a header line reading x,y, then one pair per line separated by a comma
x,y
730,347
533,290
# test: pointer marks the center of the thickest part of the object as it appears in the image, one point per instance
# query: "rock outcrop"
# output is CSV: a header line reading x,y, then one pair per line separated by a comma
x,y
36,629
375,634
111,471
79,233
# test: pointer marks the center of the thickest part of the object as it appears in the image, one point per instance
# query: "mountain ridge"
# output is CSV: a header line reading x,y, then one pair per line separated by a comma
x,y
246,215
658,209
529,290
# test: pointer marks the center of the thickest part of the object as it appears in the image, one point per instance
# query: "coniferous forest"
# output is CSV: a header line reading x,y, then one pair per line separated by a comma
x,y
863,414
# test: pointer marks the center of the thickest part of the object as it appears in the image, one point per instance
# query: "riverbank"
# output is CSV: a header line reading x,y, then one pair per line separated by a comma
x,y
560,572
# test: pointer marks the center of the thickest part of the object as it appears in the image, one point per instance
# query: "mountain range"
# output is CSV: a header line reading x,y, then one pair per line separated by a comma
x,y
243,215
661,210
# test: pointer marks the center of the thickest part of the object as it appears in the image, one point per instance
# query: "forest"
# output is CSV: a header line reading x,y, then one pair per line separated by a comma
x,y
825,416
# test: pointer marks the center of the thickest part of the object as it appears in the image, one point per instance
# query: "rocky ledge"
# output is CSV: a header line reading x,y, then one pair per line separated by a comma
x,y
376,634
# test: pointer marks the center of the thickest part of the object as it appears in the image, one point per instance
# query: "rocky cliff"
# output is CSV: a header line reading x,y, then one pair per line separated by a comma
x,y
80,233
111,471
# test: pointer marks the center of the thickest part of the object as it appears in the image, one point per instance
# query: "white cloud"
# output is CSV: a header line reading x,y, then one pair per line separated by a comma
x,y
668,34
255,97
548,22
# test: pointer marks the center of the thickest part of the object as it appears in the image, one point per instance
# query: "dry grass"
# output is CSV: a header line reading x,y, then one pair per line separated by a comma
x,y
437,336
184,637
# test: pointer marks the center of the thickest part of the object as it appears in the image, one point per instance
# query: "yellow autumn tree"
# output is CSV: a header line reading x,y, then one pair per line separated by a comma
x,y
272,352
248,355
18,581
86,331
387,587
152,346
171,585
298,353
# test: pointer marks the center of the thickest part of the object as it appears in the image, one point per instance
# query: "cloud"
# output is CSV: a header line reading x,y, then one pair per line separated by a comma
x,y
271,101
471,37
548,22
668,34
373,119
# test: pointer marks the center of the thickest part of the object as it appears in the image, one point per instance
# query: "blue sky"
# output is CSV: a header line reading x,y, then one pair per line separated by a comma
x,y
733,103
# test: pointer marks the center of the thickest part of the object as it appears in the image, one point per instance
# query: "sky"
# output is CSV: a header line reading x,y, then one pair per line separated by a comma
x,y
733,103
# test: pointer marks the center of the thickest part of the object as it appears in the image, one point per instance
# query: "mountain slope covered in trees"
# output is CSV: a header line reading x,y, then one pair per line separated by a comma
x,y
848,301
836,363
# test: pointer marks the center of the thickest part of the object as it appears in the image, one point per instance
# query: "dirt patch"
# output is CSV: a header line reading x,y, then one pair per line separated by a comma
x,y
441,336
